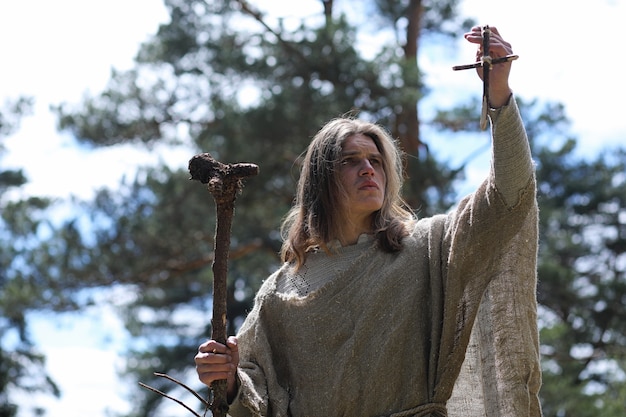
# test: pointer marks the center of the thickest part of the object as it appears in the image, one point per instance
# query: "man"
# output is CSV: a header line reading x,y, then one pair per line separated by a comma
x,y
372,312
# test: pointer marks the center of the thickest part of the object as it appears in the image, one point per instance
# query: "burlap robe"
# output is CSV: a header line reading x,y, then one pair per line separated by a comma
x,y
448,325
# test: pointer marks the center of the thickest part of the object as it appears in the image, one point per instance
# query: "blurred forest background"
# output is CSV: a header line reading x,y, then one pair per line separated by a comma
x,y
221,77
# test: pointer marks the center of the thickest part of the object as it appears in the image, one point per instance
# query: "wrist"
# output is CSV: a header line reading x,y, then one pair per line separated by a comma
x,y
498,99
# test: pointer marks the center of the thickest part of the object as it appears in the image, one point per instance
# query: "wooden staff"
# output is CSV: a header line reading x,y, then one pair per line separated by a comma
x,y
223,182
486,63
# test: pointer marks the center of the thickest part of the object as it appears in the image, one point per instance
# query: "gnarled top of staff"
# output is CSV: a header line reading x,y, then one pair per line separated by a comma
x,y
223,180
486,63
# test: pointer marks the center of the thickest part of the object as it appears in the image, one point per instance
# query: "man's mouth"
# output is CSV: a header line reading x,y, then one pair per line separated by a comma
x,y
368,185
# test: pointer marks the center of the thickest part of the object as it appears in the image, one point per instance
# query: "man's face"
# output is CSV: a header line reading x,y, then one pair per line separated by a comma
x,y
362,176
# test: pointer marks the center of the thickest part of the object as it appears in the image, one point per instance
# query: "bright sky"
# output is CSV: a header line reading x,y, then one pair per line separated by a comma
x,y
57,50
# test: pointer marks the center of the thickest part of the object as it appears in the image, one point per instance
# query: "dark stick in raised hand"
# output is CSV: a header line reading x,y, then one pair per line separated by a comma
x,y
486,63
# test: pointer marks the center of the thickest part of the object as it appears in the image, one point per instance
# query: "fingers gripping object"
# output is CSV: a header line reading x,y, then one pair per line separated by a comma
x,y
486,63
224,181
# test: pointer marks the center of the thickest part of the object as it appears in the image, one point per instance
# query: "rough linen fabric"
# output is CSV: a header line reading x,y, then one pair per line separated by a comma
x,y
501,375
362,332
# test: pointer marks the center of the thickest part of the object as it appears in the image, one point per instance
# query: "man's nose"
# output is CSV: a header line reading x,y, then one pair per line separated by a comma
x,y
366,168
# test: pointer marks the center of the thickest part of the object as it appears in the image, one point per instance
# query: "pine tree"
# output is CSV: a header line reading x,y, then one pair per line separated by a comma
x,y
21,291
225,78
156,236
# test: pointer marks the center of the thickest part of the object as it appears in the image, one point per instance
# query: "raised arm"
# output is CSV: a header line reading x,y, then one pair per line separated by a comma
x,y
511,158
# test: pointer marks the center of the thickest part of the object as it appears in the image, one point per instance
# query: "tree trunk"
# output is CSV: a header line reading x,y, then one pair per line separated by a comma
x,y
407,122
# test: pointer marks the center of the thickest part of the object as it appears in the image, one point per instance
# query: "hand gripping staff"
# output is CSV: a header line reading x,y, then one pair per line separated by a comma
x,y
486,62
223,181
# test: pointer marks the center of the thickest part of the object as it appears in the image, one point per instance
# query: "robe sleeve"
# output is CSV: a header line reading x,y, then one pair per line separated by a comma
x,y
501,376
260,393
511,160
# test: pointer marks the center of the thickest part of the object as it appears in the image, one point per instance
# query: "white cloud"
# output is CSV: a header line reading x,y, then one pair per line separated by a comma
x,y
58,49
88,380
83,357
